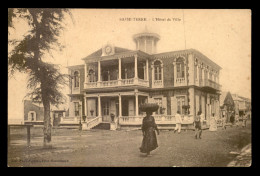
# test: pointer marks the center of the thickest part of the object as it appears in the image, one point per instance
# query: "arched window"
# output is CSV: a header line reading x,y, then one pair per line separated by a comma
x,y
91,74
76,79
157,70
180,68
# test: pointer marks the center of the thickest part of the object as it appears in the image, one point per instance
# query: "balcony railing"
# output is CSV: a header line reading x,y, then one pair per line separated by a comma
x,y
180,82
109,83
157,83
127,81
212,84
115,83
159,119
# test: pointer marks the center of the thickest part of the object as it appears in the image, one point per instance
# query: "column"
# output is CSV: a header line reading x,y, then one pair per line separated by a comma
x,y
147,70
120,105
190,71
136,74
145,49
86,72
86,106
99,73
99,106
175,73
136,71
136,105
152,52
162,73
192,101
119,71
152,67
202,76
144,68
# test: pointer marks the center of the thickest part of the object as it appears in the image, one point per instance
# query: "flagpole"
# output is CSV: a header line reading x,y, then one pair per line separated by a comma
x,y
184,28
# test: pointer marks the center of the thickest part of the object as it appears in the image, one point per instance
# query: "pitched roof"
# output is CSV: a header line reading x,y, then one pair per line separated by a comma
x,y
228,99
222,98
98,53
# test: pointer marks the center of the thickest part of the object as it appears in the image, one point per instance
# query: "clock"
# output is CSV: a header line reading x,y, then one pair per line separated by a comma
x,y
108,49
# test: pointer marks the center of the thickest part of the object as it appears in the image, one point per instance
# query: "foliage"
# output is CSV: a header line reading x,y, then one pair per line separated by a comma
x,y
45,25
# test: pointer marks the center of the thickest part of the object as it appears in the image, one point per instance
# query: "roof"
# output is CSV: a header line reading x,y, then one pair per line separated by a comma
x,y
98,53
236,98
146,33
222,98
119,50
76,66
60,107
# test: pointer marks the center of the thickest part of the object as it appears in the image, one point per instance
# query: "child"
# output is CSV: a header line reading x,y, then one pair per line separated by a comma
x,y
223,122
197,122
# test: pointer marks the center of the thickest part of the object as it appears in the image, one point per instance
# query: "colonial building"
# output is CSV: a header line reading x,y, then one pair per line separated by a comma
x,y
242,104
34,114
116,81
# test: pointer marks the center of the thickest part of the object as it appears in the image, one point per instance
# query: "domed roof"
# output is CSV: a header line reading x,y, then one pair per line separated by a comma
x,y
146,33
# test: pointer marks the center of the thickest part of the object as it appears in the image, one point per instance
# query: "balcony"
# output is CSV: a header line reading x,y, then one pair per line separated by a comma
x,y
180,82
116,83
210,83
157,83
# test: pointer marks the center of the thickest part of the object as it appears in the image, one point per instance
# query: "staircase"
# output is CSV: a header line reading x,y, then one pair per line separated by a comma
x,y
91,123
103,126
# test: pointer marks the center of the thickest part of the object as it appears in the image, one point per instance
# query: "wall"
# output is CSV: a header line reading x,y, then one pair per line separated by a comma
x,y
28,106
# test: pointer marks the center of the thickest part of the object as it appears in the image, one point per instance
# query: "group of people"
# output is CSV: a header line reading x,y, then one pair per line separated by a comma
x,y
149,127
237,120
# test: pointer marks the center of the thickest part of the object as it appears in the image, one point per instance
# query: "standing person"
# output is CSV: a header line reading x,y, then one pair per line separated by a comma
x,y
244,120
223,122
197,123
149,126
213,123
232,119
237,120
178,122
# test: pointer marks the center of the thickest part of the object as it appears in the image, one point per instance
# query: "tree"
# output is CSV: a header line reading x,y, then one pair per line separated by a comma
x,y
45,79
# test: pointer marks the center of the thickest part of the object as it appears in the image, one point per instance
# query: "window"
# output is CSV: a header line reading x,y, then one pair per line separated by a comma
x,y
180,103
200,74
210,76
91,74
32,116
76,79
180,68
159,102
76,108
206,74
195,72
157,70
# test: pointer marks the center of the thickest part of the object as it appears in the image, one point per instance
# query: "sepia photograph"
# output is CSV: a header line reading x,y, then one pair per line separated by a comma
x,y
129,87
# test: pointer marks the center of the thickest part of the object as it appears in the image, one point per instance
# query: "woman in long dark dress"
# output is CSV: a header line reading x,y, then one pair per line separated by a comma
x,y
149,126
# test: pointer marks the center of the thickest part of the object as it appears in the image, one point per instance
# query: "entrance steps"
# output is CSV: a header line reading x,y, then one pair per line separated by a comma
x,y
103,126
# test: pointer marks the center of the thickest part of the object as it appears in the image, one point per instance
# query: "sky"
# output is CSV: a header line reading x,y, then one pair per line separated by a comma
x,y
224,36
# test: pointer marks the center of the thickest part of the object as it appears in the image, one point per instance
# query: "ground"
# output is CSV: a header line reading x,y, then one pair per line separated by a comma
x,y
72,147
